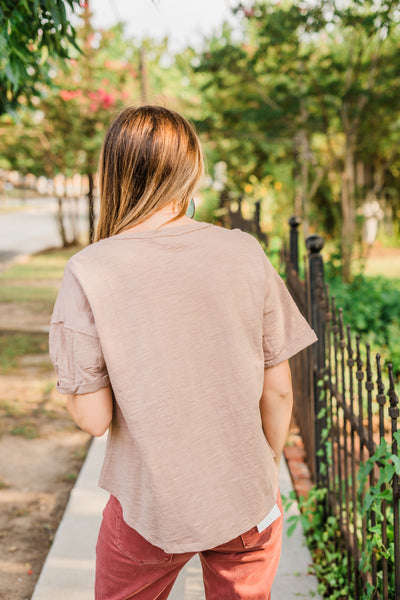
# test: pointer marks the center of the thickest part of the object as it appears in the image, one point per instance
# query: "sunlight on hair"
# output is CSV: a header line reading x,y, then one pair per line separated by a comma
x,y
151,157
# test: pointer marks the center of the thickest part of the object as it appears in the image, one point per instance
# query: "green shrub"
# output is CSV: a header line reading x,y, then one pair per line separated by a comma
x,y
371,306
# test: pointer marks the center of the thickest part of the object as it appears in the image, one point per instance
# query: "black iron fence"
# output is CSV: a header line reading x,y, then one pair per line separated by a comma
x,y
346,407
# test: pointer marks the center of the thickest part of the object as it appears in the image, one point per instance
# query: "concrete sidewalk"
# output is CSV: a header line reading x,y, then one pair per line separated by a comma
x,y
68,573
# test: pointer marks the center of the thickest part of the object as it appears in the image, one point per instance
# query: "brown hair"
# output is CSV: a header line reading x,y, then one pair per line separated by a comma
x,y
151,156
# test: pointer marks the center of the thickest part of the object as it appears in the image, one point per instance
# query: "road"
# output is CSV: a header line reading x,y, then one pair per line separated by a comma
x,y
27,227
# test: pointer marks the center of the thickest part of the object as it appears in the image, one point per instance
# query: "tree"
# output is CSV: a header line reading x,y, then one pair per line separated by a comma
x,y
64,131
31,32
307,86
255,93
361,65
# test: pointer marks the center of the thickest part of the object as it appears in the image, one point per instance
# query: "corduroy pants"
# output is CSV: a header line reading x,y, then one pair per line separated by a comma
x,y
128,566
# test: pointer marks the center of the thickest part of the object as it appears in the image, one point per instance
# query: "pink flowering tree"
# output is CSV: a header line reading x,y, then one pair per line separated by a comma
x,y
97,85
65,131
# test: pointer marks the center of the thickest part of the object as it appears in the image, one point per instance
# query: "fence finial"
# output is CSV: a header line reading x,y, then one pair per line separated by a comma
x,y
294,223
314,243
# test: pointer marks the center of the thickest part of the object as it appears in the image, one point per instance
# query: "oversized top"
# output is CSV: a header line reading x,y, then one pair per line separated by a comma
x,y
181,322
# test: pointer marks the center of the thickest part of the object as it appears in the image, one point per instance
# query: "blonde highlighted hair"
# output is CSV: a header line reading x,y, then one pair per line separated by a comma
x,y
151,156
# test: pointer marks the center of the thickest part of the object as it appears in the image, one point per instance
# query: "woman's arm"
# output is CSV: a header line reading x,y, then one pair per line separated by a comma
x,y
276,406
92,412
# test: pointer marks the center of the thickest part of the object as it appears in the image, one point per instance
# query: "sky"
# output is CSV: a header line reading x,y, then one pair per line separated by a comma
x,y
184,21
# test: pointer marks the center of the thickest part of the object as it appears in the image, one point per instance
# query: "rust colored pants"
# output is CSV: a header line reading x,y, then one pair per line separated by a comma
x,y
128,566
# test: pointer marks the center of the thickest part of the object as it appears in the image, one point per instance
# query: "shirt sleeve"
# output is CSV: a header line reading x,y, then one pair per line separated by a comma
x,y
285,330
74,344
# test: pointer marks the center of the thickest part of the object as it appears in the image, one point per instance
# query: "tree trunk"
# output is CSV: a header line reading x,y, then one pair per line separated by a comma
x,y
60,222
304,154
348,211
73,216
91,207
301,177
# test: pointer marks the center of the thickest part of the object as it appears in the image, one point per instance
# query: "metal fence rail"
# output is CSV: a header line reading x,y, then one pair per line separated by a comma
x,y
345,404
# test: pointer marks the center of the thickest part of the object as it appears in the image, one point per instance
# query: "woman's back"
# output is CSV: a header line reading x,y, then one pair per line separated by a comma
x,y
180,315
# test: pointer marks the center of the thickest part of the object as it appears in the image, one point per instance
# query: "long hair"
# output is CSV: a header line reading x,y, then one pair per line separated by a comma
x,y
151,156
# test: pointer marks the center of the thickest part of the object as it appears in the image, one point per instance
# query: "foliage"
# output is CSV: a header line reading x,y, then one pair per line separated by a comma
x,y
31,32
372,502
322,531
298,96
371,307
64,132
209,203
324,541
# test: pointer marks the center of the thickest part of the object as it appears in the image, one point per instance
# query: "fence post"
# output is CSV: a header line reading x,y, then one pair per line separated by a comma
x,y
314,244
394,413
294,223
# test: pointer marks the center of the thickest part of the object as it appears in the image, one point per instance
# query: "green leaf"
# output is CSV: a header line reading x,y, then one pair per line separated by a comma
x,y
396,462
12,75
291,529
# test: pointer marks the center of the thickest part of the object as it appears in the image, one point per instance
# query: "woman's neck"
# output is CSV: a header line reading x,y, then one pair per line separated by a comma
x,y
160,220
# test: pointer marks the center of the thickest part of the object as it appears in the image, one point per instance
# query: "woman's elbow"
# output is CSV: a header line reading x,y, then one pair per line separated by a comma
x,y
92,412
97,430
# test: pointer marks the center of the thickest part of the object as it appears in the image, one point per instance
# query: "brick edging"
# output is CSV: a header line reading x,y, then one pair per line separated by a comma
x,y
295,456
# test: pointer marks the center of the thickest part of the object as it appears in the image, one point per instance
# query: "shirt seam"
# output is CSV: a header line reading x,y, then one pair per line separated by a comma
x,y
155,235
95,337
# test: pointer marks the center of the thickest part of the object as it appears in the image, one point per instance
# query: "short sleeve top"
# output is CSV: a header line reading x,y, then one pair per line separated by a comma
x,y
181,322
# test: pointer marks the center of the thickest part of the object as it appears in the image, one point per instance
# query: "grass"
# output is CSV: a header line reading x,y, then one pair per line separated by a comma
x,y
25,430
13,345
70,476
20,292
13,410
32,288
46,265
80,453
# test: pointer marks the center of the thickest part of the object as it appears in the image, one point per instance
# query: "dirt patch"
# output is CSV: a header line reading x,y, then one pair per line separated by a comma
x,y
383,261
383,252
13,317
41,454
37,476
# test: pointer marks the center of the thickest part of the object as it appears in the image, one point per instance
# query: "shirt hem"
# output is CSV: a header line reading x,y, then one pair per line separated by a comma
x,y
296,346
83,388
192,546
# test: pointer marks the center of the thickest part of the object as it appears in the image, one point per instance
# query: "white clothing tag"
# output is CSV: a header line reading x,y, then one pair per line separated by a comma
x,y
273,514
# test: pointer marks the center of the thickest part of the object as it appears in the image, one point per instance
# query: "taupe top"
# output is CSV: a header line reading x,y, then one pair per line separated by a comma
x,y
181,321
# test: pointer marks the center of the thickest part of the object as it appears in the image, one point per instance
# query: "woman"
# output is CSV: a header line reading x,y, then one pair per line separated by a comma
x,y
176,333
